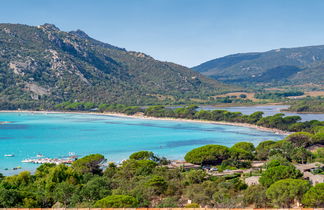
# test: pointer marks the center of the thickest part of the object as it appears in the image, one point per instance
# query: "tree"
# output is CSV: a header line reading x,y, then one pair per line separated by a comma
x,y
247,146
256,195
301,155
276,173
157,183
255,117
195,176
283,148
142,155
9,198
96,189
89,164
263,150
240,154
63,193
300,139
117,201
314,197
283,193
277,160
243,96
209,154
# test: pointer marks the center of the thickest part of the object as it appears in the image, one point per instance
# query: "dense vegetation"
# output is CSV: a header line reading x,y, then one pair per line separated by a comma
x,y
278,95
278,121
308,105
144,181
42,66
285,66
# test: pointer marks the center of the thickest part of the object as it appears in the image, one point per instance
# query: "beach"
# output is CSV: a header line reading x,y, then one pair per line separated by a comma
x,y
141,116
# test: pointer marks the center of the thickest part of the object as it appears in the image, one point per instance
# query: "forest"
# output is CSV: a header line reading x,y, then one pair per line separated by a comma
x,y
144,180
308,105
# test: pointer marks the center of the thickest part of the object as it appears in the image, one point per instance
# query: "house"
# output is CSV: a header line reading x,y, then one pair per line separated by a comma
x,y
183,164
306,169
252,180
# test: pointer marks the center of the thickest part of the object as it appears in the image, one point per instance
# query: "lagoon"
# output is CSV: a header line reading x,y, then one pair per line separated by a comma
x,y
268,110
55,135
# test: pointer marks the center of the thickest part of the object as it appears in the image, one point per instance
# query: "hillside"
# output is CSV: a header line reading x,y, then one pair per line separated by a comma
x,y
282,66
43,66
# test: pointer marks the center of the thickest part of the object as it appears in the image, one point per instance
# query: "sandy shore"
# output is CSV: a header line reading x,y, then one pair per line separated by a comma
x,y
277,131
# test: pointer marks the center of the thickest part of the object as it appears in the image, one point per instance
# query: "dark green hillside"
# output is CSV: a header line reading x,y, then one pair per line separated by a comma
x,y
276,67
43,65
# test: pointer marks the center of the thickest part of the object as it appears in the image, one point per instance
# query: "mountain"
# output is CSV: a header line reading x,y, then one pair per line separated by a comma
x,y
43,65
281,66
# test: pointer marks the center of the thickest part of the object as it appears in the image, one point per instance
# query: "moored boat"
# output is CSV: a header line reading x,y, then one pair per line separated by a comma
x,y
9,155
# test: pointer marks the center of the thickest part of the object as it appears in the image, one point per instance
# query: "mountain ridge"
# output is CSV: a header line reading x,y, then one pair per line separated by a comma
x,y
285,65
43,65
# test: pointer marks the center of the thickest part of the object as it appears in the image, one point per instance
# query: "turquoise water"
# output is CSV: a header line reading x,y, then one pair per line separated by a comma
x,y
55,135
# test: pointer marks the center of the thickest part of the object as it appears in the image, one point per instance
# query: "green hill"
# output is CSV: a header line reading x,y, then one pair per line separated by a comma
x,y
43,66
276,67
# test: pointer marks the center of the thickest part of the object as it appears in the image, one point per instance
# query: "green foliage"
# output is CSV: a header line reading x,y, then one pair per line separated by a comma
x,y
276,173
192,205
209,154
247,146
283,193
157,183
277,95
240,154
300,139
301,155
308,105
143,155
319,155
277,160
263,149
168,202
195,177
314,197
89,164
256,195
117,201
96,188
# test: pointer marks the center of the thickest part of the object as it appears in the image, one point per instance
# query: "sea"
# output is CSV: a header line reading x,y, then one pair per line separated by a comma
x,y
56,135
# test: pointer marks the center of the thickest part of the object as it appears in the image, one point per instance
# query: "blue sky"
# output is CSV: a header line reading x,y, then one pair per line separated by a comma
x,y
187,32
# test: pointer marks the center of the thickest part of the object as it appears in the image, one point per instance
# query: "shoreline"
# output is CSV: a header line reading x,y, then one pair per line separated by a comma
x,y
273,130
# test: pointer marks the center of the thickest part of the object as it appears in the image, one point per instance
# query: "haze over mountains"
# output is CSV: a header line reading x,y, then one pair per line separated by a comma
x,y
45,65
281,66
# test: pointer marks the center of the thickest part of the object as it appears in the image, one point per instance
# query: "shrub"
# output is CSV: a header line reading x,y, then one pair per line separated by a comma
x,y
117,201
209,154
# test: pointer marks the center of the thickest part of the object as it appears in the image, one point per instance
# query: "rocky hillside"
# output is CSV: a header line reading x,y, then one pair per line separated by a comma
x,y
282,66
43,65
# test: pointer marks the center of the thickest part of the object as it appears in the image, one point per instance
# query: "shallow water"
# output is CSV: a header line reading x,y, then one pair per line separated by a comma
x,y
55,135
268,110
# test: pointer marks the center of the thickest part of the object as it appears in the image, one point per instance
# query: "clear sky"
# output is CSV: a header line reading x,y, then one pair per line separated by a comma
x,y
187,32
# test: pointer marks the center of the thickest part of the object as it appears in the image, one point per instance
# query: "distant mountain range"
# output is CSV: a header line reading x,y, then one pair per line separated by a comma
x,y
43,65
281,66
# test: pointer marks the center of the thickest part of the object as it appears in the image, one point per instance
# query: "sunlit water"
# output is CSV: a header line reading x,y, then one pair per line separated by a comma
x,y
55,135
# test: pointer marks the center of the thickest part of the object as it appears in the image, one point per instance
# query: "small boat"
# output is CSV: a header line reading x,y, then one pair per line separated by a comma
x,y
39,155
9,155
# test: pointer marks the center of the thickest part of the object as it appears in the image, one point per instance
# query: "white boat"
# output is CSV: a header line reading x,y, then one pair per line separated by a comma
x,y
9,155
39,155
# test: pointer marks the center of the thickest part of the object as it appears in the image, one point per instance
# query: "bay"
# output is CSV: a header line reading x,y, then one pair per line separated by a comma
x,y
55,135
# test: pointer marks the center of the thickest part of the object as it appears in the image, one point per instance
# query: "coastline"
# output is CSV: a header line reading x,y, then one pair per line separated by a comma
x,y
140,116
